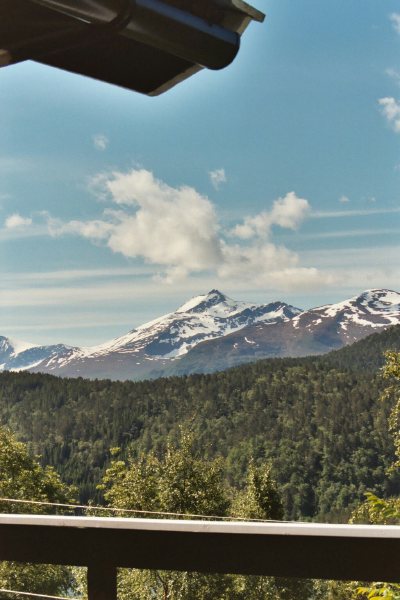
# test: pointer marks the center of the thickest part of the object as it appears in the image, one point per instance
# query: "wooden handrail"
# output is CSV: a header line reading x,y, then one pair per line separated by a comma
x,y
303,550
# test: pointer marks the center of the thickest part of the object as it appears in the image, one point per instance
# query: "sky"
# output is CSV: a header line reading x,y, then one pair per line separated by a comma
x,y
275,178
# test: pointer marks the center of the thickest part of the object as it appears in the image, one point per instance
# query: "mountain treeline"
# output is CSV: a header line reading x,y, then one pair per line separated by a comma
x,y
318,421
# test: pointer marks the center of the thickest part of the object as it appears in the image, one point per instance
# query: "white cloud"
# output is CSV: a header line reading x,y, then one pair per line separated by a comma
x,y
394,74
288,212
16,221
390,109
344,199
176,229
395,18
217,178
100,142
171,227
268,265
96,230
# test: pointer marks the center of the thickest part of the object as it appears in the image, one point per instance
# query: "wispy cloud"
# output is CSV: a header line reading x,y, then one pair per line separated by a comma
x,y
356,269
336,214
28,231
349,233
12,164
371,257
81,322
394,74
100,142
390,109
97,295
100,294
395,19
50,277
217,178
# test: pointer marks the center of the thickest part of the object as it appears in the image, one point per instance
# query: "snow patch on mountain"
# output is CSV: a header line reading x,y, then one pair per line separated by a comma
x,y
202,318
274,329
373,308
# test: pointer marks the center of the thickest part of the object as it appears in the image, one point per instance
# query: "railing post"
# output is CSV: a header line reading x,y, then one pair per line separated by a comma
x,y
102,582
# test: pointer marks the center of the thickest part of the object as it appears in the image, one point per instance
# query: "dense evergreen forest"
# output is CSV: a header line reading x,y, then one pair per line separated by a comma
x,y
318,420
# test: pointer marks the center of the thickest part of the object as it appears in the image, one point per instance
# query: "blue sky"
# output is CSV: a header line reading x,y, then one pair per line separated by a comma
x,y
276,178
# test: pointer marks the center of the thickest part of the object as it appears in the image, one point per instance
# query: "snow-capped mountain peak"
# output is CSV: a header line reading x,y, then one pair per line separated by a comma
x,y
213,297
203,317
372,309
380,302
16,355
234,331
214,304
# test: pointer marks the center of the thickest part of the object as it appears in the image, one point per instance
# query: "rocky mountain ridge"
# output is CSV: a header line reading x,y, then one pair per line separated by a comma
x,y
212,332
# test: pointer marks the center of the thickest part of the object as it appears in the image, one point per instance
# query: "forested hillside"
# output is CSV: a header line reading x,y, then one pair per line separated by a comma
x,y
318,420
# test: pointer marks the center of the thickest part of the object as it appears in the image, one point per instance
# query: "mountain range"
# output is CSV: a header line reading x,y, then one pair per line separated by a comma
x,y
212,332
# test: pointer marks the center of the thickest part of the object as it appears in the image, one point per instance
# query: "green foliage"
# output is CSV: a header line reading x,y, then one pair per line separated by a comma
x,y
22,478
391,372
380,590
335,590
377,510
142,585
189,484
260,498
179,482
40,579
133,485
317,420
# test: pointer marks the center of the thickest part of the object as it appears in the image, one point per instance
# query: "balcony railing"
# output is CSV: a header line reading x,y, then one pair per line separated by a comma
x,y
303,550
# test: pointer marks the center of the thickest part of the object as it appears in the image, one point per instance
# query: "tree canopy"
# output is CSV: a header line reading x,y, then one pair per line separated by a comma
x,y
22,478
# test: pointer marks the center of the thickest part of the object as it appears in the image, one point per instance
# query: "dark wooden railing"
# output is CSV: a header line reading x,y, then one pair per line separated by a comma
x,y
345,552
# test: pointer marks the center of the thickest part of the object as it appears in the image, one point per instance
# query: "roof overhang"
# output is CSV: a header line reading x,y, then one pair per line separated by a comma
x,y
144,45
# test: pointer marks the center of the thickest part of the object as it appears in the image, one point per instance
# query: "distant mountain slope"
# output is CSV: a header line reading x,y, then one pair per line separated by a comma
x,y
311,332
147,349
366,355
319,420
212,332
21,356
